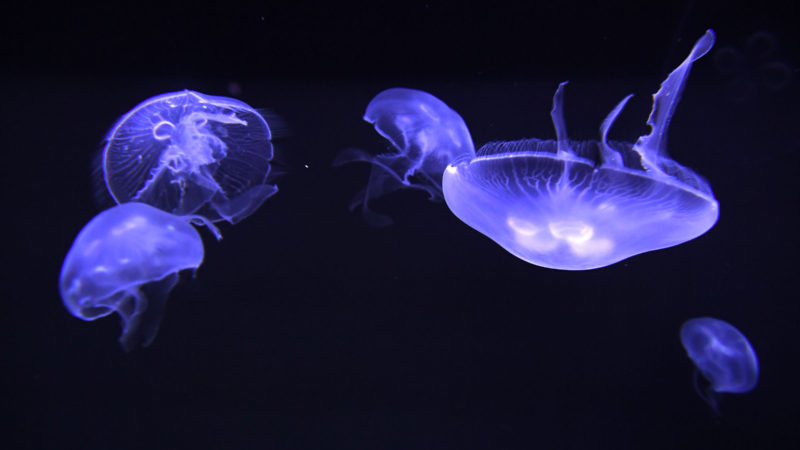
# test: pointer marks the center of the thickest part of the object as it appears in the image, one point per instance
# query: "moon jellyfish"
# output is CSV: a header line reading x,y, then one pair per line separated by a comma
x,y
722,354
573,205
126,260
426,135
189,153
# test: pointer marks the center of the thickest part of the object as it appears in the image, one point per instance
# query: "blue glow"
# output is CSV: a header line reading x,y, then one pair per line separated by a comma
x,y
426,135
191,154
126,260
722,354
582,205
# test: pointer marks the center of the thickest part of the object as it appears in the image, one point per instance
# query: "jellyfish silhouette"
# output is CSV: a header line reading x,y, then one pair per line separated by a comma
x,y
189,153
754,68
582,205
426,135
723,356
126,260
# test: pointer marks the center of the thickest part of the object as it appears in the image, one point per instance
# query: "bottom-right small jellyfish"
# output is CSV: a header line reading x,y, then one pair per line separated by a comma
x,y
722,354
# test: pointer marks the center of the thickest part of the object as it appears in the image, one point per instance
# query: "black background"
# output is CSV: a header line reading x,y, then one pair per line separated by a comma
x,y
307,329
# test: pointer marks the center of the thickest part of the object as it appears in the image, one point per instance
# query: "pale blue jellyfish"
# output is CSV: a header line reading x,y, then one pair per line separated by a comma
x,y
722,354
582,205
426,135
189,153
126,260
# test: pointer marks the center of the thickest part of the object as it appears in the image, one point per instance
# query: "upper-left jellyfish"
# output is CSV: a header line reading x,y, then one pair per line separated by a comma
x,y
426,135
189,153
126,260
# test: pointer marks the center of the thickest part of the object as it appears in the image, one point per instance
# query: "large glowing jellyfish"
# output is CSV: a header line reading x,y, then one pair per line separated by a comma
x,y
189,153
722,354
426,135
582,205
126,260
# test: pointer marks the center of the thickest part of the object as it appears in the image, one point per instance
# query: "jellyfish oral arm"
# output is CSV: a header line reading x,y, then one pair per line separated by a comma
x,y
610,156
654,145
557,114
200,220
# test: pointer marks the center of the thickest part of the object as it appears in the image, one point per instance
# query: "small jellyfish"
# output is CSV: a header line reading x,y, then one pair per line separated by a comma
x,y
189,153
426,135
126,260
582,205
722,354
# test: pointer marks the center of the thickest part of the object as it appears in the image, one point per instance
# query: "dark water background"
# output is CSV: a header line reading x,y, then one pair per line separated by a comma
x,y
306,329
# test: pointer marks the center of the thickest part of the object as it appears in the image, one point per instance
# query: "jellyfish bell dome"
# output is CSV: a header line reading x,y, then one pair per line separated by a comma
x,y
126,260
427,132
425,135
189,153
574,205
721,353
